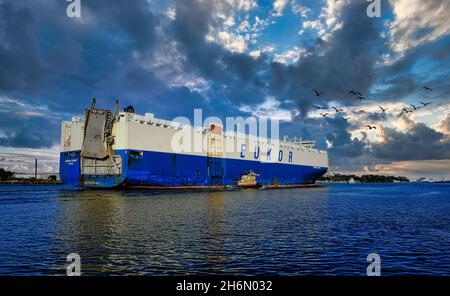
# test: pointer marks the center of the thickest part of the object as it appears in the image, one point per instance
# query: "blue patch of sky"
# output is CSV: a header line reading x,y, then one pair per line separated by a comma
x,y
283,31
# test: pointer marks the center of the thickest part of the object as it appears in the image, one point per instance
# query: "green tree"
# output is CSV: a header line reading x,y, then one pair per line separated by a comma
x,y
6,175
363,178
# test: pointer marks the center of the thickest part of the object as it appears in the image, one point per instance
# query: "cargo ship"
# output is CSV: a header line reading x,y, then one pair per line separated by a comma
x,y
112,149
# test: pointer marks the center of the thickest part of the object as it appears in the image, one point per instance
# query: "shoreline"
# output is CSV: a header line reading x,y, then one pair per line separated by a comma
x,y
30,183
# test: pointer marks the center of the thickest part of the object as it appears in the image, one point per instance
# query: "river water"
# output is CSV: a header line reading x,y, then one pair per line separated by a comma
x,y
328,230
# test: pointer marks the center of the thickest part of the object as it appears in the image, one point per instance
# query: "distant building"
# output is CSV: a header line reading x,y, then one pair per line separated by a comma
x,y
424,180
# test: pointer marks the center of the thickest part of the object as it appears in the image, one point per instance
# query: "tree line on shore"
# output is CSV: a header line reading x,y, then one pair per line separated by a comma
x,y
363,178
6,175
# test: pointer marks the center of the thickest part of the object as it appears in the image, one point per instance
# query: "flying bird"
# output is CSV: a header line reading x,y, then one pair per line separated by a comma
x,y
414,107
336,109
319,107
346,119
371,126
382,109
324,114
355,93
360,98
428,88
426,103
406,110
318,93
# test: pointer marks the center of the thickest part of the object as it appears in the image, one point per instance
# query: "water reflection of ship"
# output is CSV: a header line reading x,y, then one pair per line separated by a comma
x,y
88,225
127,232
137,232
215,205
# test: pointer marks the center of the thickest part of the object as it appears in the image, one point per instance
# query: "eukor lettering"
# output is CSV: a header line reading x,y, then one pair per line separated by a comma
x,y
256,154
257,151
243,148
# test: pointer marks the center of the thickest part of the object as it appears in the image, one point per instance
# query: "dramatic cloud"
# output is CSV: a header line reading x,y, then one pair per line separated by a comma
x,y
444,125
21,125
419,142
417,22
345,62
21,65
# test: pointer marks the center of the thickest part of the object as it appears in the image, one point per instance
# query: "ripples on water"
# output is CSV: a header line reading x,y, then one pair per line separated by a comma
x,y
321,231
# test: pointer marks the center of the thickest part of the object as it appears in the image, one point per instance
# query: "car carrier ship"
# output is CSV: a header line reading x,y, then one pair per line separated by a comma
x,y
112,149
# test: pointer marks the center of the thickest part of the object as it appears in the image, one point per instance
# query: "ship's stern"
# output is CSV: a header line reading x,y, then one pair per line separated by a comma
x,y
87,157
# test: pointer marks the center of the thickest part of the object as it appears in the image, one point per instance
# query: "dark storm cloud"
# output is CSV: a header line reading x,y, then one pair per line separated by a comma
x,y
234,76
21,66
190,28
420,142
371,116
131,20
400,81
48,58
343,147
344,63
28,131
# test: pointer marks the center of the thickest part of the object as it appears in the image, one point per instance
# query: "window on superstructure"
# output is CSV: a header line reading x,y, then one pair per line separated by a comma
x,y
136,154
73,154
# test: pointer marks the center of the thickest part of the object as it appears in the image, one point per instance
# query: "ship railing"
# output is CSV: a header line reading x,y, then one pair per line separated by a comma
x,y
150,120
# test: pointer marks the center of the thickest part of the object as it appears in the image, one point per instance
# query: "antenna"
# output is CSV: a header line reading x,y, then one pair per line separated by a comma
x,y
116,111
93,103
35,169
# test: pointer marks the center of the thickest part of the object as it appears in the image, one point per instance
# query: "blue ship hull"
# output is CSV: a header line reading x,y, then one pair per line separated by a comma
x,y
171,170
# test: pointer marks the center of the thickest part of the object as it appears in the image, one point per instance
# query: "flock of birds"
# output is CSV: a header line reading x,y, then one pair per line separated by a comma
x,y
359,97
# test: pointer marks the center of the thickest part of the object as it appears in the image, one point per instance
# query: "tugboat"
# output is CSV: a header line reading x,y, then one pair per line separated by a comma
x,y
248,180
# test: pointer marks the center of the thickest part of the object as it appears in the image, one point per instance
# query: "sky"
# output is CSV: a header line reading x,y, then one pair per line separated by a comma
x,y
235,58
